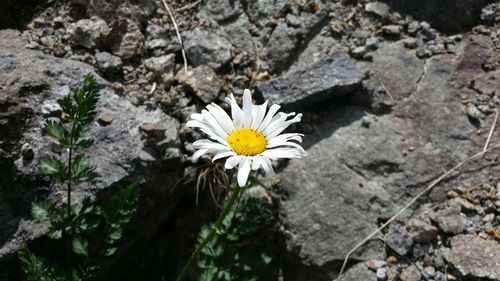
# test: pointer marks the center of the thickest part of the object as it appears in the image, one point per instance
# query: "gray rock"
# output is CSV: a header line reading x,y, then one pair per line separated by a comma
x,y
395,56
334,76
451,220
354,174
372,43
411,273
223,10
156,37
421,232
126,39
281,46
422,52
359,52
88,33
474,257
116,152
473,112
488,14
358,272
437,49
430,271
398,241
380,9
202,81
109,65
392,30
162,67
382,274
427,34
239,36
413,27
286,42
205,47
410,43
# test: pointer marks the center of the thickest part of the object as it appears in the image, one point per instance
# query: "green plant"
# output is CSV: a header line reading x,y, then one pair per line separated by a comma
x,y
90,230
221,259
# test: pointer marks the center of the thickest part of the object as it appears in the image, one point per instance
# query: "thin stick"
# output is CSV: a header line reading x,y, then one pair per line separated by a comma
x,y
171,14
427,189
388,93
491,131
153,89
188,7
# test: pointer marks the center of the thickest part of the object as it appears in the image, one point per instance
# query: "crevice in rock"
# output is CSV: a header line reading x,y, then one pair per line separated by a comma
x,y
422,77
17,13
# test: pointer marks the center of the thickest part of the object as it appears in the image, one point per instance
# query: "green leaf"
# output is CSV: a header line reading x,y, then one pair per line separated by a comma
x,y
41,211
83,137
118,210
109,252
265,259
82,171
56,130
209,274
80,246
55,234
51,166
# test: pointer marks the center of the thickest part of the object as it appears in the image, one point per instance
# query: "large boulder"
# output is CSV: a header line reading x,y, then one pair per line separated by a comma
x,y
332,77
362,167
131,143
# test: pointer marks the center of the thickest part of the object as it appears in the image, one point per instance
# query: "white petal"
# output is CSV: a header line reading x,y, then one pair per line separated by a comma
x,y
243,171
270,114
265,163
198,154
207,130
282,139
214,124
232,161
259,112
255,164
276,122
207,144
222,117
283,152
247,108
273,132
223,155
236,111
197,116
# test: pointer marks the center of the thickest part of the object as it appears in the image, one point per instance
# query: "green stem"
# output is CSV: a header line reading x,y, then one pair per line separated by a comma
x,y
70,181
229,205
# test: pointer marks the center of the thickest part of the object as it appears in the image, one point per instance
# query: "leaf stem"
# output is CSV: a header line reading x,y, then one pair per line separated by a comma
x,y
229,205
69,183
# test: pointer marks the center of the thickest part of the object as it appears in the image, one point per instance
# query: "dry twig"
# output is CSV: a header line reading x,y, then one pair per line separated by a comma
x,y
171,14
491,131
427,189
393,102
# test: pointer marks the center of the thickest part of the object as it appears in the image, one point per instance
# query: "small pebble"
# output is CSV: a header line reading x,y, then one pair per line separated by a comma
x,y
382,274
27,151
430,271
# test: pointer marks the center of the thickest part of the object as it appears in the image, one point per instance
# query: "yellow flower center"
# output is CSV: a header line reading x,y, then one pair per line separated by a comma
x,y
247,141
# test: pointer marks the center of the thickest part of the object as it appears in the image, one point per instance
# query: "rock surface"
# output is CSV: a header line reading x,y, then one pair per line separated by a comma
x,y
332,77
119,151
205,47
475,257
421,100
358,165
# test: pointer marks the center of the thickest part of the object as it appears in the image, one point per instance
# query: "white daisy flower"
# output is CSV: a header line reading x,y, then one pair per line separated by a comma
x,y
251,139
